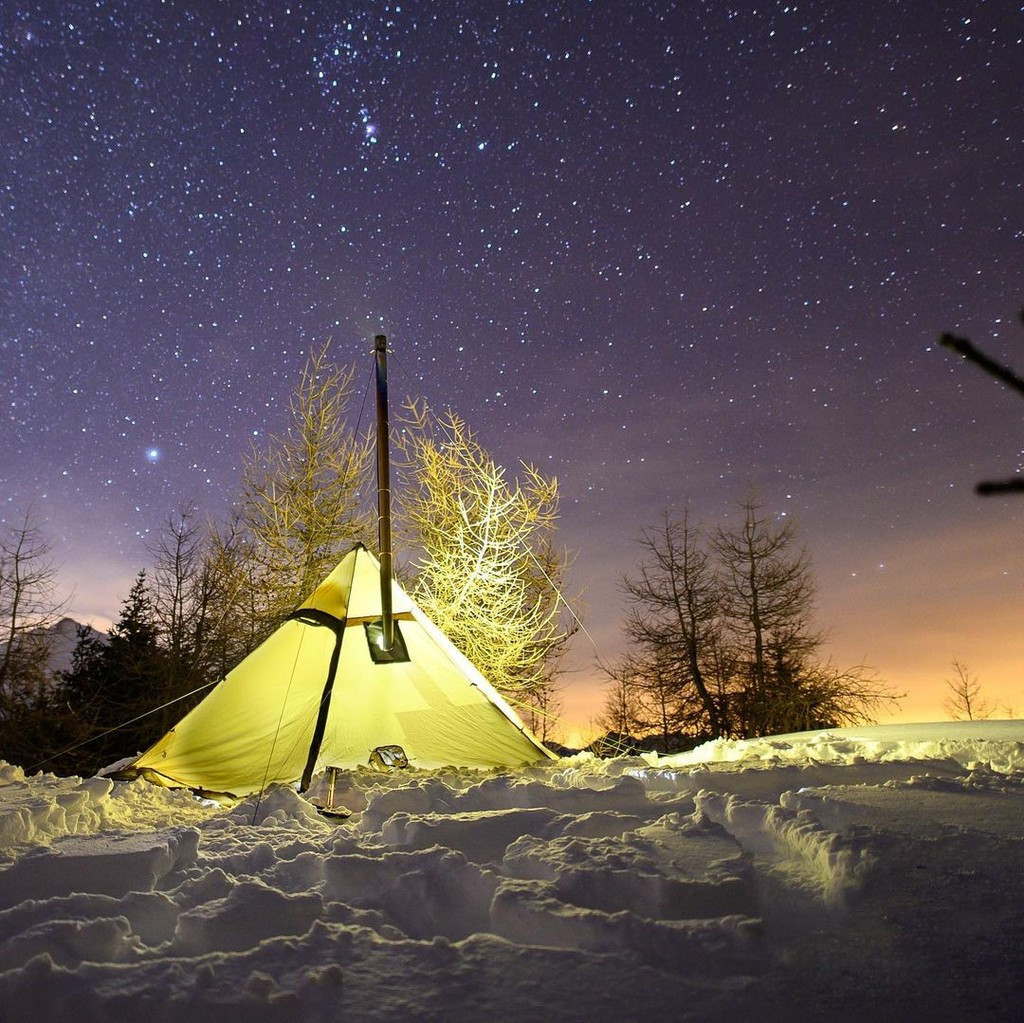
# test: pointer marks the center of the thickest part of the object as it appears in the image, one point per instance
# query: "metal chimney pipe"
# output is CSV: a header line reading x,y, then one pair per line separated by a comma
x,y
384,494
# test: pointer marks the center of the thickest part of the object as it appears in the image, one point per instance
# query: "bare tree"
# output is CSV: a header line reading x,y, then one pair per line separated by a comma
x,y
725,622
177,591
541,714
821,695
302,503
965,701
768,597
237,619
487,570
622,714
675,616
28,606
669,709
189,605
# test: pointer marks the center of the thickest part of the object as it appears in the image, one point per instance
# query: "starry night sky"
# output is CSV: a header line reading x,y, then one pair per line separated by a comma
x,y
665,251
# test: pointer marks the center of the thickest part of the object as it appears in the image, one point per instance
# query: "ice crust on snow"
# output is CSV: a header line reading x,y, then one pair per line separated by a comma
x,y
741,878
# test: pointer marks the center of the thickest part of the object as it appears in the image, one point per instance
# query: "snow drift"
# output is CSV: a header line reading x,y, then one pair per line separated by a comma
x,y
837,876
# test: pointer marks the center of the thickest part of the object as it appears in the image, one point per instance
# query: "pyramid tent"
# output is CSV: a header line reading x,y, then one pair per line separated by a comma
x,y
316,694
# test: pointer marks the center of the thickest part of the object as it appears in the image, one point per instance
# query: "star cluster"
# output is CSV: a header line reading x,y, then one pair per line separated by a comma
x,y
666,251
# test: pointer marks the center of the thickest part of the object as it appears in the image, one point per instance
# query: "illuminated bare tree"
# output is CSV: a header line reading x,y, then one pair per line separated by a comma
x,y
302,503
487,570
965,702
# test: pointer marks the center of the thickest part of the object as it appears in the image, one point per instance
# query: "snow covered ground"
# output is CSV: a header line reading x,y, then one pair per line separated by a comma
x,y
859,874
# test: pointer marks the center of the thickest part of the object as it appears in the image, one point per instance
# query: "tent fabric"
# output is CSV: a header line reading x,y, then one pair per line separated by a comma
x,y
257,726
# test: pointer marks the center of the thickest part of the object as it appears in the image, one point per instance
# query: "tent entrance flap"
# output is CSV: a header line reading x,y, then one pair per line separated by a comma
x,y
325,699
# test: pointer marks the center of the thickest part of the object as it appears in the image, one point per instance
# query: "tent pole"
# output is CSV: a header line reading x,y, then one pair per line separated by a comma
x,y
384,494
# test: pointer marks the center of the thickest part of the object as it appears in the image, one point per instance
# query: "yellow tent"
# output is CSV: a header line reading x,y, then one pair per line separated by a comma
x,y
318,692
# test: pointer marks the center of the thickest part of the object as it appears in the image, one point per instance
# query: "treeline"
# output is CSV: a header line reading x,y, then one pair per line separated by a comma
x,y
722,640
720,621
214,592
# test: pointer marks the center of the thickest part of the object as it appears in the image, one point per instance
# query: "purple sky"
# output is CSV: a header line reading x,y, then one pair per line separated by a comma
x,y
664,251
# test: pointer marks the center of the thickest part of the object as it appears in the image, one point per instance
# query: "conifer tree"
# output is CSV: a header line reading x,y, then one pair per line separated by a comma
x,y
113,688
75,712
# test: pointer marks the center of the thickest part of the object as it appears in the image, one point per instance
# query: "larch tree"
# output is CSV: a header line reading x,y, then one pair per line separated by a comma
x,y
645,692
674,619
784,684
482,560
188,598
178,558
767,598
486,569
724,621
303,504
238,618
